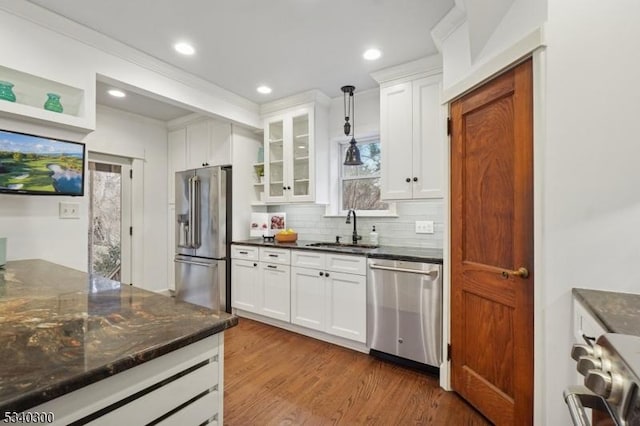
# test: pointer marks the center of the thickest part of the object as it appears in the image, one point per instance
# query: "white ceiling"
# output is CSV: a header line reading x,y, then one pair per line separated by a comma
x,y
138,104
290,45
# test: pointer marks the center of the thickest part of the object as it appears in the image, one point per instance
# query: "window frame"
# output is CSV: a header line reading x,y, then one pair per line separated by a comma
x,y
334,208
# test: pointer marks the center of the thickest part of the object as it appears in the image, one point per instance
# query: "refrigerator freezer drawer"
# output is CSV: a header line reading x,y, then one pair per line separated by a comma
x,y
201,281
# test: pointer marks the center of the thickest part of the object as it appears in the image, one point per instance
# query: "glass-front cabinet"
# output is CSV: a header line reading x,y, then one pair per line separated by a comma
x,y
289,158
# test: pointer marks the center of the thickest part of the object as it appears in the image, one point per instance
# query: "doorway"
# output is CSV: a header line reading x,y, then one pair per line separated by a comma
x,y
110,217
492,283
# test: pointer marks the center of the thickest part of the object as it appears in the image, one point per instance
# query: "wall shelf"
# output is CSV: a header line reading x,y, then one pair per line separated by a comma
x,y
31,94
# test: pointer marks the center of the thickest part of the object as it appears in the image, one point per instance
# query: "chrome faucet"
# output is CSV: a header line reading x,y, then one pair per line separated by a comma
x,y
355,237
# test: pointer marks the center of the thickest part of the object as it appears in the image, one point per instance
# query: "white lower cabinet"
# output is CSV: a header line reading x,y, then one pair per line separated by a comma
x,y
325,298
275,291
245,285
261,287
345,306
307,298
326,292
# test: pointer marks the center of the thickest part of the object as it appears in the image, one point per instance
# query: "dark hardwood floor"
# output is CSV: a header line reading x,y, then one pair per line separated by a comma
x,y
275,377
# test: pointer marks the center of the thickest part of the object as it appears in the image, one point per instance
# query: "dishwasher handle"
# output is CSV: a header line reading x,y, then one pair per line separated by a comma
x,y
432,273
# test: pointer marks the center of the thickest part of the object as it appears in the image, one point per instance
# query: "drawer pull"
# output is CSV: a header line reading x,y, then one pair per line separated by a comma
x,y
243,252
272,267
273,255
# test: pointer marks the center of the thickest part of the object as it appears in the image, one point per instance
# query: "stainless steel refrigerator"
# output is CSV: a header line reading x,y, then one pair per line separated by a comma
x,y
203,221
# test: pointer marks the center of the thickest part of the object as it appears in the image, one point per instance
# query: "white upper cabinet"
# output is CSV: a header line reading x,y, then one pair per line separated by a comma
x,y
289,157
197,144
412,138
296,154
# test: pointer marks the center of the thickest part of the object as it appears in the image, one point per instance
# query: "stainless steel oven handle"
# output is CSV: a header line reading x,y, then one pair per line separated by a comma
x,y
578,398
208,265
576,410
411,271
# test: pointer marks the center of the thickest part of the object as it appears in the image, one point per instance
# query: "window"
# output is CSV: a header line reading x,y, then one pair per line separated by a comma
x,y
360,185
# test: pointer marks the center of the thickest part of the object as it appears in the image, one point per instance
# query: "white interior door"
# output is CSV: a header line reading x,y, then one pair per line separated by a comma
x,y
110,217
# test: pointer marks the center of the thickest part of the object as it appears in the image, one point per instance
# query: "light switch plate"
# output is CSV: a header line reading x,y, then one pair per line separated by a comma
x,y
69,210
424,227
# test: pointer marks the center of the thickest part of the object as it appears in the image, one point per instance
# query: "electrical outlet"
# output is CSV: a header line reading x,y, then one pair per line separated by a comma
x,y
69,210
424,227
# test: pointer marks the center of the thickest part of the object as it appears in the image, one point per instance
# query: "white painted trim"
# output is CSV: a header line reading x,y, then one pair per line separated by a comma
x,y
71,29
445,367
419,68
539,143
508,58
137,221
138,117
447,25
309,97
340,341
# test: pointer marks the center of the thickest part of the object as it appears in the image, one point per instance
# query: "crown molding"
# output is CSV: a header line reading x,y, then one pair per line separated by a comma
x,y
311,96
422,67
447,25
66,27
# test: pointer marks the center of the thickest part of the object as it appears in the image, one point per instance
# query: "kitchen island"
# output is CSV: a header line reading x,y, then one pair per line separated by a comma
x,y
81,349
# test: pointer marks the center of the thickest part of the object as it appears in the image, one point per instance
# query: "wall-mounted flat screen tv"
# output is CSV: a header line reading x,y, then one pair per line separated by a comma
x,y
39,165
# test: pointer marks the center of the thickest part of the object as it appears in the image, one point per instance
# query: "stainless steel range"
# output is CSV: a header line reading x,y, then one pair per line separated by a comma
x,y
611,370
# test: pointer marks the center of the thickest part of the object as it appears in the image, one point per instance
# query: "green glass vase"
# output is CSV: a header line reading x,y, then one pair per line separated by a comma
x,y
6,92
53,103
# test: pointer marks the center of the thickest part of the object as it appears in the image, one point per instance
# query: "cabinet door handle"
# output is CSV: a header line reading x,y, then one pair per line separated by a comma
x,y
255,264
321,274
415,179
284,188
408,180
326,274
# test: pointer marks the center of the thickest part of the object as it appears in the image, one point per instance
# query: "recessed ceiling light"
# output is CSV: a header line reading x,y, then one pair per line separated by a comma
x,y
372,54
116,93
265,90
184,48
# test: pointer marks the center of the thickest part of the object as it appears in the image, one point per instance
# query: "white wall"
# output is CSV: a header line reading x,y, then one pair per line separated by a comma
x,y
130,135
32,225
461,53
367,113
591,232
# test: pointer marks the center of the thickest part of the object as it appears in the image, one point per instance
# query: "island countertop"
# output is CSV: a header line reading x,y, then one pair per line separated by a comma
x,y
62,329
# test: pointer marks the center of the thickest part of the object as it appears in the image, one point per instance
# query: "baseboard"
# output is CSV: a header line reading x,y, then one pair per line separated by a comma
x,y
345,343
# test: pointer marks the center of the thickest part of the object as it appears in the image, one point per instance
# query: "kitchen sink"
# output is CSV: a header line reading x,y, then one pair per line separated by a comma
x,y
345,245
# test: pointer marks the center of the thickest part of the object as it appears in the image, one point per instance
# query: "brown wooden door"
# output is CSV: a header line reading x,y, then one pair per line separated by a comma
x,y
491,238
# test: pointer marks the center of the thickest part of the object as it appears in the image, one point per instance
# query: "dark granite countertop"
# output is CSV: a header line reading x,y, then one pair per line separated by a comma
x,y
617,312
62,329
409,254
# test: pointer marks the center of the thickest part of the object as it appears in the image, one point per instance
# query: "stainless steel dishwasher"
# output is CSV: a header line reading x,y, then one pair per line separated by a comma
x,y
404,310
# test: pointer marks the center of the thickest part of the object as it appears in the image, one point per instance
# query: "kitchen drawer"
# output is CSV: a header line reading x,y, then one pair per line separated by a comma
x,y
346,263
275,255
308,259
244,252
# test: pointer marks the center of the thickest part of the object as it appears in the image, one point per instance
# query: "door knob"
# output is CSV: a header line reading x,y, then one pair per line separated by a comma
x,y
521,272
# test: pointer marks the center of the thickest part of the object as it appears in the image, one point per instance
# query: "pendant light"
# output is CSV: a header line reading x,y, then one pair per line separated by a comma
x,y
353,153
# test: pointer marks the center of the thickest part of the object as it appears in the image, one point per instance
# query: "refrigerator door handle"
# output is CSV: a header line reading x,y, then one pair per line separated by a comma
x,y
191,218
195,209
208,265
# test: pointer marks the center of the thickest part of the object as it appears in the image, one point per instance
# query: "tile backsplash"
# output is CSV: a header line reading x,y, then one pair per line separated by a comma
x,y
311,224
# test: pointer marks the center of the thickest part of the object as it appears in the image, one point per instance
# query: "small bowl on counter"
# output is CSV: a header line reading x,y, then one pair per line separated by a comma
x,y
289,237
